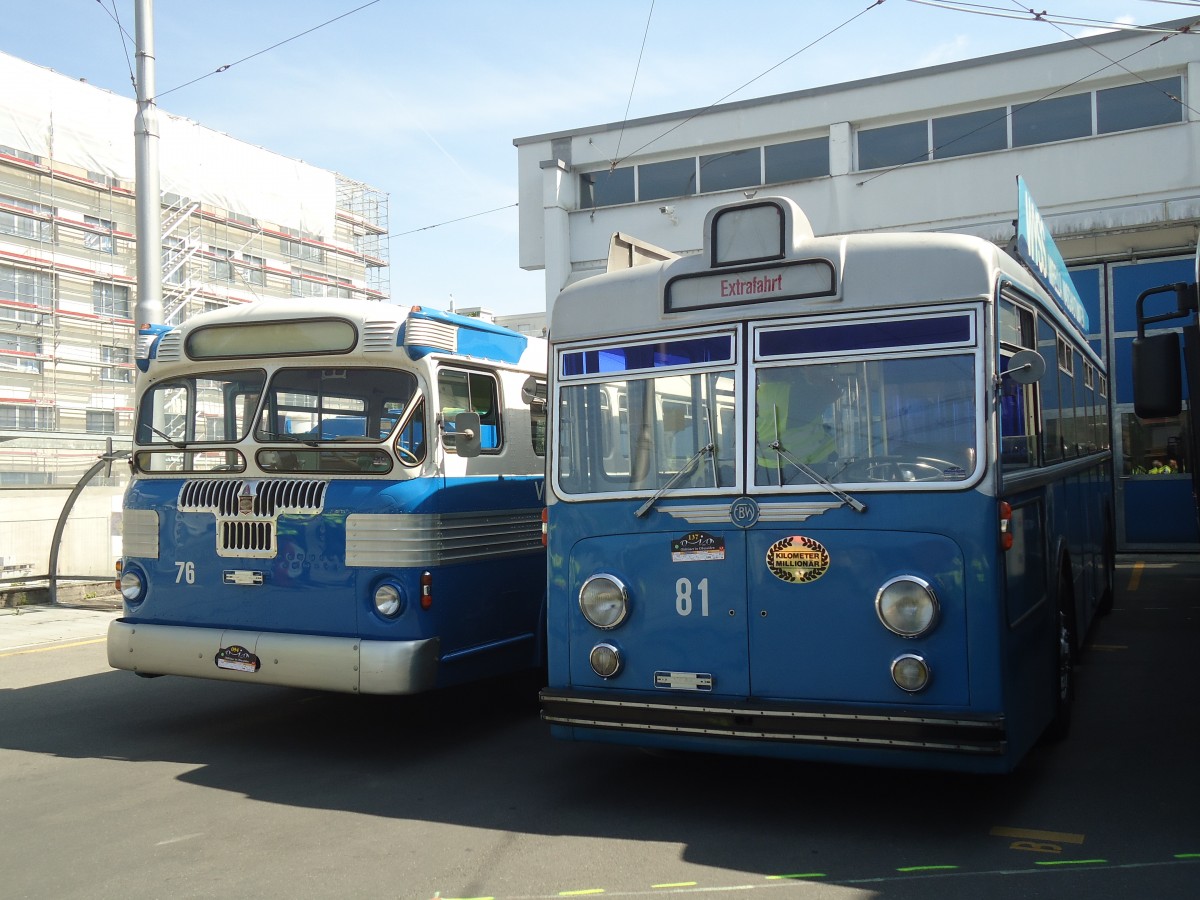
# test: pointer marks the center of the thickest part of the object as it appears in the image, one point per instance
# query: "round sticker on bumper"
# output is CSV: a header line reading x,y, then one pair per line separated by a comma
x,y
797,559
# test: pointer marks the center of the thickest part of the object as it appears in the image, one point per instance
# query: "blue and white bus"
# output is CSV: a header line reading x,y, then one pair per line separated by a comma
x,y
840,498
344,497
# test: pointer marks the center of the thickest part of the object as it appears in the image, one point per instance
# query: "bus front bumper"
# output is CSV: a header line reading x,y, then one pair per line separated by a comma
x,y
348,665
794,723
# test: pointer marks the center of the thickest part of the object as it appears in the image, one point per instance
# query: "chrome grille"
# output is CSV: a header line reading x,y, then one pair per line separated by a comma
x,y
269,496
245,537
379,336
251,532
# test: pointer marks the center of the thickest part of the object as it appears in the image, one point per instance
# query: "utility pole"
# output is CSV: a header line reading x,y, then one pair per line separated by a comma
x,y
149,310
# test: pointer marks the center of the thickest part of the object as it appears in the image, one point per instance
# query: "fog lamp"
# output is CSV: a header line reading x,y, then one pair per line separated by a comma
x,y
910,672
605,660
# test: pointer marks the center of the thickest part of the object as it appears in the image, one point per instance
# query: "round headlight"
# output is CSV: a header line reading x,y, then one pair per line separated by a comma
x,y
387,601
605,660
907,606
132,585
604,601
910,672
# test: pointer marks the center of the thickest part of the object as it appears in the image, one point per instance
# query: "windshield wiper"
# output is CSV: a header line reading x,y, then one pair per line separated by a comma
x,y
818,478
687,467
174,442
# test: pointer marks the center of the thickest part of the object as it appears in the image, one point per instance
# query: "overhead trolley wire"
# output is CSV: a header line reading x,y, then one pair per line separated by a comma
x,y
613,163
636,70
227,66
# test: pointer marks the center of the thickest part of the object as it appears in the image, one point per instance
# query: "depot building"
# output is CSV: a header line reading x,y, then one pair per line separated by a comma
x,y
1110,152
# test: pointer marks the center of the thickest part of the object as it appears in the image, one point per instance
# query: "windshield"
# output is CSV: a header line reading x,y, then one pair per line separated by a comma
x,y
896,420
640,433
315,405
195,409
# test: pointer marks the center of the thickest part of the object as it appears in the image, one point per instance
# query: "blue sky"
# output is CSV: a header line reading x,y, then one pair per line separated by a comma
x,y
423,99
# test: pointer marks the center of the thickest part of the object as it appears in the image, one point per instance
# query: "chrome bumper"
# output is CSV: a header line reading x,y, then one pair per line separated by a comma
x,y
321,663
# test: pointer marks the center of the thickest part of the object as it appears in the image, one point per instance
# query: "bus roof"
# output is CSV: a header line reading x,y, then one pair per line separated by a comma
x,y
419,330
869,271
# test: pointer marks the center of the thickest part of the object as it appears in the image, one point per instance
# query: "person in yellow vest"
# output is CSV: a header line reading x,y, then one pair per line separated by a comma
x,y
1160,468
792,404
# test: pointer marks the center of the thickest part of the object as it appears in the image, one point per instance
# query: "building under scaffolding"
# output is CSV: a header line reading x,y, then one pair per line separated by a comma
x,y
239,223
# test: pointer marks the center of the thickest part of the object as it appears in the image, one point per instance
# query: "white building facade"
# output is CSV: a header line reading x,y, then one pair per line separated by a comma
x,y
1105,132
240,223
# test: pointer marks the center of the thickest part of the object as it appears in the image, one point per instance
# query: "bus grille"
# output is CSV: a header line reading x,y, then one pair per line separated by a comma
x,y
241,537
246,510
170,347
379,335
222,497
424,333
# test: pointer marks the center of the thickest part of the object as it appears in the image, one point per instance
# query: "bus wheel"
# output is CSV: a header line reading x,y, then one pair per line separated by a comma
x,y
1064,669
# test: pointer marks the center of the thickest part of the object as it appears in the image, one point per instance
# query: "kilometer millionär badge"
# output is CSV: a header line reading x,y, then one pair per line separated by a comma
x,y
797,559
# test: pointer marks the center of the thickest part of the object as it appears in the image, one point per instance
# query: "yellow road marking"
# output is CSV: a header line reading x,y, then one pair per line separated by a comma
x,y
53,647
1058,837
1136,577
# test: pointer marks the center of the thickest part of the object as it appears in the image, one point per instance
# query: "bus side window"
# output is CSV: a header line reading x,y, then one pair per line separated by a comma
x,y
470,392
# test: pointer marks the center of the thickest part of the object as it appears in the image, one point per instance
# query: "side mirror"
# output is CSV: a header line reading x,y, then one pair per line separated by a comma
x,y
1026,367
1157,384
466,434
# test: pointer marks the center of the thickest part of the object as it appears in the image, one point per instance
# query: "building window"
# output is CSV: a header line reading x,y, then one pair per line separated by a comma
x,y
1139,105
26,286
98,241
110,299
303,286
673,178
115,360
797,160
20,154
101,421
299,250
20,417
1053,119
19,353
21,225
893,145
975,132
606,188
219,266
726,171
252,270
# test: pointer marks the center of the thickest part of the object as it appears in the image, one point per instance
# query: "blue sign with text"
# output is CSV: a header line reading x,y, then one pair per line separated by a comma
x,y
1037,249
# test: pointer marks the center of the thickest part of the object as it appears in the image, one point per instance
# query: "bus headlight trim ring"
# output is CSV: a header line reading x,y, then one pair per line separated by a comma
x,y
133,586
907,606
910,673
605,660
389,602
604,601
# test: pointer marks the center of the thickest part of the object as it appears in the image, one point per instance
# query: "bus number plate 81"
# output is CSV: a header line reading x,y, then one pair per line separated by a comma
x,y
683,681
